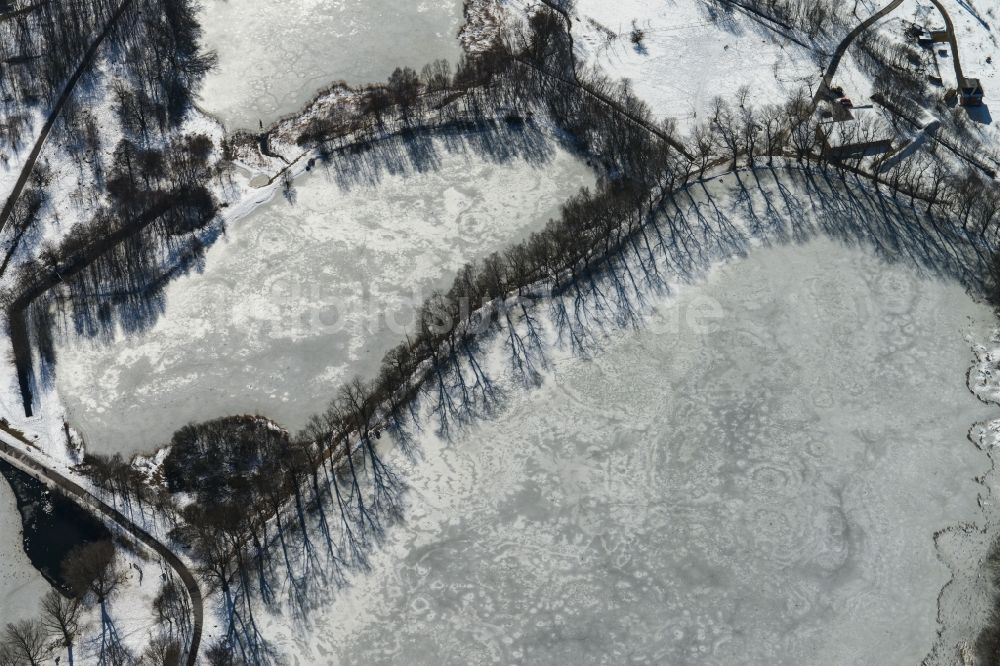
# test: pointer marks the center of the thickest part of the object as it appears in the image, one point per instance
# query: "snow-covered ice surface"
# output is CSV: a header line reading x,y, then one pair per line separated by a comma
x,y
297,298
21,585
684,38
755,476
274,56
971,551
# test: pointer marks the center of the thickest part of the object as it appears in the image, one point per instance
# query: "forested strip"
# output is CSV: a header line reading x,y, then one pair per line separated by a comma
x,y
150,46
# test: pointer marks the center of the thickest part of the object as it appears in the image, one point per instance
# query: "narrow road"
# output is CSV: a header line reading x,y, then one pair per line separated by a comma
x,y
50,121
953,40
767,22
82,496
851,36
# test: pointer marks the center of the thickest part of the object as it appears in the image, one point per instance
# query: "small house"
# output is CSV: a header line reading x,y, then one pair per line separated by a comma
x,y
971,92
930,36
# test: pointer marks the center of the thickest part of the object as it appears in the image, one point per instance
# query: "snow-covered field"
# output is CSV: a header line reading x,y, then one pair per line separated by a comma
x,y
690,54
742,490
295,299
275,57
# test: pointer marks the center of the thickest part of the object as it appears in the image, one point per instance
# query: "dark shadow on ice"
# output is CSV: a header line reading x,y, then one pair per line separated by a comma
x,y
422,149
696,227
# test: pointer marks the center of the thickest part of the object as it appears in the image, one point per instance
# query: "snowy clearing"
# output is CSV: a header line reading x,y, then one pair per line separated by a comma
x,y
690,55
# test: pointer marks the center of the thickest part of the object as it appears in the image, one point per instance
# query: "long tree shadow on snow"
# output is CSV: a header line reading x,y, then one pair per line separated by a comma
x,y
422,149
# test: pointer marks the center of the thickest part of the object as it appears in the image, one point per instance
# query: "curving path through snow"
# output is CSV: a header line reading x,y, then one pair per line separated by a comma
x,y
86,499
851,36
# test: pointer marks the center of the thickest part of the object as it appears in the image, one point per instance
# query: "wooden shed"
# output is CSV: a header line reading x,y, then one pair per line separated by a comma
x,y
971,92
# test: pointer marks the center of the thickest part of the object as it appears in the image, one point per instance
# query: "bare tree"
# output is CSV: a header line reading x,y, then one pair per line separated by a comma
x,y
27,642
404,86
436,75
61,617
727,128
162,650
775,134
705,144
93,571
172,608
801,125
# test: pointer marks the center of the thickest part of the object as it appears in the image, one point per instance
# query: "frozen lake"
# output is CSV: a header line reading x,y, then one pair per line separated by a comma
x,y
763,488
275,56
21,586
296,299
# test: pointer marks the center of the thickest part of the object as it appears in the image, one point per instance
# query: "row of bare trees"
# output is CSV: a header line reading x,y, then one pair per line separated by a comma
x,y
260,508
268,514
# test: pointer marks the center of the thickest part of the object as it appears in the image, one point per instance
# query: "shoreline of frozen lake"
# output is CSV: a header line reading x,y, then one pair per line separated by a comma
x,y
275,57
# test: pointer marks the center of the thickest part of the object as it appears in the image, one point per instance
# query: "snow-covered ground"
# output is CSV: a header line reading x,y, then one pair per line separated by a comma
x,y
73,200
275,56
742,490
131,607
690,54
296,298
